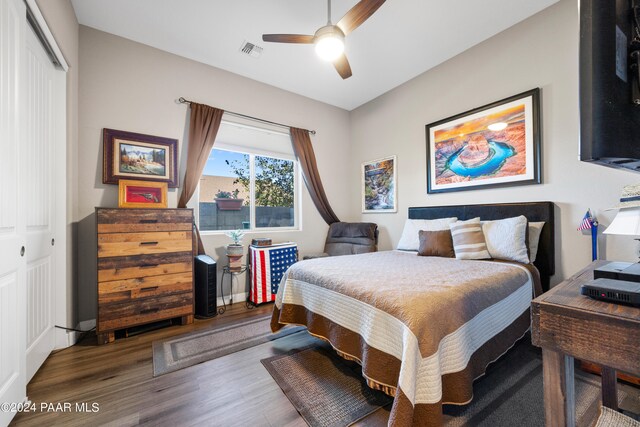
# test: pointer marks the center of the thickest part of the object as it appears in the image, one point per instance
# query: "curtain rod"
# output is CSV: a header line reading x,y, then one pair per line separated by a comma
x,y
244,116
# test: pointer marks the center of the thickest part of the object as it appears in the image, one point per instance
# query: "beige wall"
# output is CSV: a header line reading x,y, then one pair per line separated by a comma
x,y
63,24
128,86
539,52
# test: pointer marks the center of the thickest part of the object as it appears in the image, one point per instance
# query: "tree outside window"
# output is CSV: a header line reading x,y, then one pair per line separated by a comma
x,y
271,180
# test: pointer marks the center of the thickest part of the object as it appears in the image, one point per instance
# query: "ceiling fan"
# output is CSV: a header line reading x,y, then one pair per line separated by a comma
x,y
329,40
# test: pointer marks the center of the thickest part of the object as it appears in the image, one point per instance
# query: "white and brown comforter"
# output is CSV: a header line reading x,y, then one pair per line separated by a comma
x,y
423,328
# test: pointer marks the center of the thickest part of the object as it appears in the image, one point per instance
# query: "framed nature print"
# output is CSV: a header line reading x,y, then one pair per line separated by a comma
x,y
379,185
491,146
142,194
128,155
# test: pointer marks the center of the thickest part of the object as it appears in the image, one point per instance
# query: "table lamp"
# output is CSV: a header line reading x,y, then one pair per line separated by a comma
x,y
626,223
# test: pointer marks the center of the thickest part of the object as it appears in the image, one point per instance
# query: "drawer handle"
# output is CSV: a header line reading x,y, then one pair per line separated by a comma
x,y
148,243
149,265
149,288
148,221
149,310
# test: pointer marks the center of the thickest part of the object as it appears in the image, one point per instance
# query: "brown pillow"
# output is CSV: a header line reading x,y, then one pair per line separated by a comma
x,y
436,243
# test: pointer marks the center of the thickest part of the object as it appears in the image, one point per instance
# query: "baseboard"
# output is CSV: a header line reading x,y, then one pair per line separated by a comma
x,y
65,338
85,325
237,297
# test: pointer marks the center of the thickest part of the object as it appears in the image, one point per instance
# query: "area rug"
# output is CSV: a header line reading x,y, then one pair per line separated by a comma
x,y
197,347
326,390
322,390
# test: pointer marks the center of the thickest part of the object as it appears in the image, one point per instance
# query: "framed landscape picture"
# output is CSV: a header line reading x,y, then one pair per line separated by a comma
x,y
491,146
142,194
379,185
128,155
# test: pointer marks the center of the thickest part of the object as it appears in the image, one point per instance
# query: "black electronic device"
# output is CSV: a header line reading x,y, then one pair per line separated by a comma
x,y
610,83
612,290
629,271
205,272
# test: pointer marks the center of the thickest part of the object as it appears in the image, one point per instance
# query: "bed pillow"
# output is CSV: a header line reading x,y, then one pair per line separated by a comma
x,y
535,230
507,239
468,240
436,243
409,241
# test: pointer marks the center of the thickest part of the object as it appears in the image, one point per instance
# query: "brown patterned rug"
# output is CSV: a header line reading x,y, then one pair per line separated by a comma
x,y
325,389
328,391
190,349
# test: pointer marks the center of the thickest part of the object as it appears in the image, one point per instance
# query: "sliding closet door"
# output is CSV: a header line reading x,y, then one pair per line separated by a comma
x,y
12,225
39,193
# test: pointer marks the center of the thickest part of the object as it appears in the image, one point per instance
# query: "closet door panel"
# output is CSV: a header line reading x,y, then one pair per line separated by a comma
x,y
12,226
38,189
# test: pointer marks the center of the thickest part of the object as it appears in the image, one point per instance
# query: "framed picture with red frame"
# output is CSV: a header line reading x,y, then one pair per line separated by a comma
x,y
142,194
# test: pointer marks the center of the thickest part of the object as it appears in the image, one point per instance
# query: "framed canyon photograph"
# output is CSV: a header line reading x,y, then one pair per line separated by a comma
x,y
142,194
128,155
379,185
495,145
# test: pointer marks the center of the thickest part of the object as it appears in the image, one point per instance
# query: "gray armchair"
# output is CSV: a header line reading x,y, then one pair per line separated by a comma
x,y
347,238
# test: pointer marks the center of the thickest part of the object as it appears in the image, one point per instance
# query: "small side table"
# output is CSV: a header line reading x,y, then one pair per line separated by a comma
x,y
227,270
567,325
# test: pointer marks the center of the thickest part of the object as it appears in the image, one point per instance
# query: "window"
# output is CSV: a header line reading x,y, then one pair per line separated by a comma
x,y
243,187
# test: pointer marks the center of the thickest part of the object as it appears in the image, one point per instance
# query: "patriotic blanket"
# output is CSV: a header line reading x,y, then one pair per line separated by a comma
x,y
268,264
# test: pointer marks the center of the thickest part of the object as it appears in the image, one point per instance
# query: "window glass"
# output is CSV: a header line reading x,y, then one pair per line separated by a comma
x,y
225,202
274,190
247,190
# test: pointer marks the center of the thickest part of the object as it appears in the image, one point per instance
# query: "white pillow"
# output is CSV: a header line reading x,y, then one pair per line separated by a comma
x,y
506,238
535,229
410,241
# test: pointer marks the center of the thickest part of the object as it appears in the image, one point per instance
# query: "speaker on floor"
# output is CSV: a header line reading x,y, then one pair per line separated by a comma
x,y
205,286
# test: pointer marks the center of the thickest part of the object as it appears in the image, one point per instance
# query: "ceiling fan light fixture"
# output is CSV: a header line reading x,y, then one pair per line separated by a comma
x,y
329,43
329,40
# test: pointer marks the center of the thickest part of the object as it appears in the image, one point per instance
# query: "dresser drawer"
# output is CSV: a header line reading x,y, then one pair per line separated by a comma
x,y
137,220
125,244
129,267
125,314
144,287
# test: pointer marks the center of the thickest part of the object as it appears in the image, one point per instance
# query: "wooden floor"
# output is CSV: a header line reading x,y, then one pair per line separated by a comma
x,y
234,390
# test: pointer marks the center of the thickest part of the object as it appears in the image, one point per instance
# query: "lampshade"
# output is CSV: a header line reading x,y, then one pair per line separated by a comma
x,y
626,222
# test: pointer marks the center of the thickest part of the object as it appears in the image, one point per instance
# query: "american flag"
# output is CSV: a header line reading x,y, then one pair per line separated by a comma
x,y
587,222
268,264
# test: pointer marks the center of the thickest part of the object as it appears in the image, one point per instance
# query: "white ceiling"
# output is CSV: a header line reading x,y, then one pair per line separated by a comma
x,y
403,39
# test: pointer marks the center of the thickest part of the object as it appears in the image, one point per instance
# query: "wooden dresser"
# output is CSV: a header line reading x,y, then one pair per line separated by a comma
x,y
145,268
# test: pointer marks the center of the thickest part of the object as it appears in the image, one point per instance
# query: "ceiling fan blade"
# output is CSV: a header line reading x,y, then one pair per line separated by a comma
x,y
342,66
358,14
287,38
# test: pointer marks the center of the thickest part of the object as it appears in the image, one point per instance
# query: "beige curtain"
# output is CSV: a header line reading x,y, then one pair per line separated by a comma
x,y
303,150
203,128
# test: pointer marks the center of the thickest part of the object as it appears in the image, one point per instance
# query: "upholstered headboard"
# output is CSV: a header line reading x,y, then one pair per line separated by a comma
x,y
534,211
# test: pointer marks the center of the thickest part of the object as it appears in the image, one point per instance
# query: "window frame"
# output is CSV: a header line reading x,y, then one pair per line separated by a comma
x,y
252,153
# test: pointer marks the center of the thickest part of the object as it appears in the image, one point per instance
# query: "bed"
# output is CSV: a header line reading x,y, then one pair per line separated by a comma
x,y
423,328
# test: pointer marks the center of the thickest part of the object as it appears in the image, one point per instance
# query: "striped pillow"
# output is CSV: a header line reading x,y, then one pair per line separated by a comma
x,y
468,240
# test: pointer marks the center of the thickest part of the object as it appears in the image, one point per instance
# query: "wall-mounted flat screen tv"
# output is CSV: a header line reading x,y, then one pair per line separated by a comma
x,y
609,83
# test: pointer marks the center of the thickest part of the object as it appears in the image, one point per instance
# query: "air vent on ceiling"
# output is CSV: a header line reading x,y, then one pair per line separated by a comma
x,y
251,49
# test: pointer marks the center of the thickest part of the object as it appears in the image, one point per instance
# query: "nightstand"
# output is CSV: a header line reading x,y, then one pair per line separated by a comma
x,y
567,325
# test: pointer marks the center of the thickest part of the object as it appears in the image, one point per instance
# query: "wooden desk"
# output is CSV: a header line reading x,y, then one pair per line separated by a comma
x,y
567,325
